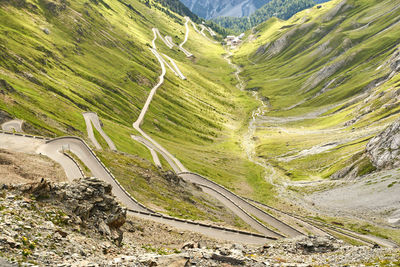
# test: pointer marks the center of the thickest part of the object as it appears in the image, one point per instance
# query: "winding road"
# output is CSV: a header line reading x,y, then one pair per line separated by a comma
x,y
213,231
139,121
150,147
195,27
13,125
166,42
169,40
242,203
365,239
250,213
88,157
92,118
54,149
177,70
187,53
36,144
239,206
241,213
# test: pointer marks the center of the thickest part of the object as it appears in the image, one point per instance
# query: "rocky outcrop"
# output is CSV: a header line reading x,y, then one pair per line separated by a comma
x,y
88,202
384,149
285,40
339,8
316,244
172,178
37,226
349,172
324,73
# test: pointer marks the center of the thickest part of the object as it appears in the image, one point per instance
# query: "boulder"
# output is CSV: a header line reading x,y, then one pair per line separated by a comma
x,y
46,31
227,259
188,245
315,244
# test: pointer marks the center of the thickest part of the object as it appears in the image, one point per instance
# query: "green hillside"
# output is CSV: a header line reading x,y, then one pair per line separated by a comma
x,y
330,79
61,58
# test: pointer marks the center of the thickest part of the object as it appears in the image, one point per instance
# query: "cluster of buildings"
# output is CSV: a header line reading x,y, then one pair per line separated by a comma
x,y
233,41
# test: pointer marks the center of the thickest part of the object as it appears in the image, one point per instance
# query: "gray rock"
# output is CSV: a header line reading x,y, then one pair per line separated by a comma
x,y
46,31
188,245
8,240
5,263
227,259
312,244
95,206
384,149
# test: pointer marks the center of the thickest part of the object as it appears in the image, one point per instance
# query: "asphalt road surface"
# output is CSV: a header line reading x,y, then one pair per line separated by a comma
x,y
92,118
14,125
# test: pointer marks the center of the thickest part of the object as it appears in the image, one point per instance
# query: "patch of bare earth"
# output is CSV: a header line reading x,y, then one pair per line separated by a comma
x,y
16,167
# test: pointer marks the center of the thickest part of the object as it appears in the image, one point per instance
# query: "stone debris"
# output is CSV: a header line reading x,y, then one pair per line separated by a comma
x,y
81,224
88,201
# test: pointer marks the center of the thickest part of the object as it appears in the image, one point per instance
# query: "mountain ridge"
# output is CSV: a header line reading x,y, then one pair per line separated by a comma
x,y
282,9
234,8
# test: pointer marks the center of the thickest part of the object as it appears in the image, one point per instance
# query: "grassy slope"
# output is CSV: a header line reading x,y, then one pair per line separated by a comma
x,y
210,147
96,58
349,43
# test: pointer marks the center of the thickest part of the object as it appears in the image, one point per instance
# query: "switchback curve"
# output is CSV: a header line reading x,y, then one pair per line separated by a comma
x,y
13,125
92,118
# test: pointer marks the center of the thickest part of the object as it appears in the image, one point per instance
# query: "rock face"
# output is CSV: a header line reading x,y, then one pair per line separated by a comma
x,y
89,202
223,8
384,149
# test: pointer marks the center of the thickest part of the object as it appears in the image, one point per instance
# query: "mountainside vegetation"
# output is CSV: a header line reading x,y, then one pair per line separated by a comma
x,y
330,79
282,9
61,58
177,7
